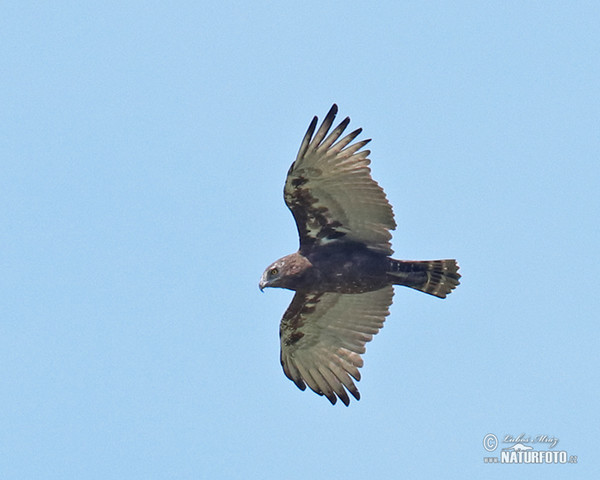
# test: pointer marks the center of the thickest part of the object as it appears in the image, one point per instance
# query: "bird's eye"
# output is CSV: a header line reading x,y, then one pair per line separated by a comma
x,y
274,271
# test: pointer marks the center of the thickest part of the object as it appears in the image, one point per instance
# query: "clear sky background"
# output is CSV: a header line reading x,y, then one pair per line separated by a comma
x,y
144,146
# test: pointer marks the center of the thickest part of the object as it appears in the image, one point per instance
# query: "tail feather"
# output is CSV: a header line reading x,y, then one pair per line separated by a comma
x,y
435,277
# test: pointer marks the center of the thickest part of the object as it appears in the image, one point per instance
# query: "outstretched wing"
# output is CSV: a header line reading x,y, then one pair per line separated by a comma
x,y
323,335
331,194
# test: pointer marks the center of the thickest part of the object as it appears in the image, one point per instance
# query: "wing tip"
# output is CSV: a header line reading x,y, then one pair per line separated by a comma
x,y
343,396
330,114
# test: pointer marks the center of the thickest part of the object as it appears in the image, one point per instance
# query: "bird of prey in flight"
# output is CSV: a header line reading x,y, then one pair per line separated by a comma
x,y
343,271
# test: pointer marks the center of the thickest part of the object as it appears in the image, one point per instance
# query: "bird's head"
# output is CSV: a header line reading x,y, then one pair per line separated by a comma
x,y
273,275
286,272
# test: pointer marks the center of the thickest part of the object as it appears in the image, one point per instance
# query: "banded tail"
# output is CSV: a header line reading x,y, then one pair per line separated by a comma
x,y
435,277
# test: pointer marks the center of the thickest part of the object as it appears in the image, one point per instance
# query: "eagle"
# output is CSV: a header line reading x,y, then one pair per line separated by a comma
x,y
343,273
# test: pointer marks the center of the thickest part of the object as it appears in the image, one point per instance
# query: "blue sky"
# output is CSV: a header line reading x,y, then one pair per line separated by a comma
x,y
144,148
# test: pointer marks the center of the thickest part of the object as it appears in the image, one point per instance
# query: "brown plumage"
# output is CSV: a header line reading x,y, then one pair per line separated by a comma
x,y
343,272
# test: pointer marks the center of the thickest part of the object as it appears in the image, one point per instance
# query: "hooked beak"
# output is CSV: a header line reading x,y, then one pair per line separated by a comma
x,y
262,285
